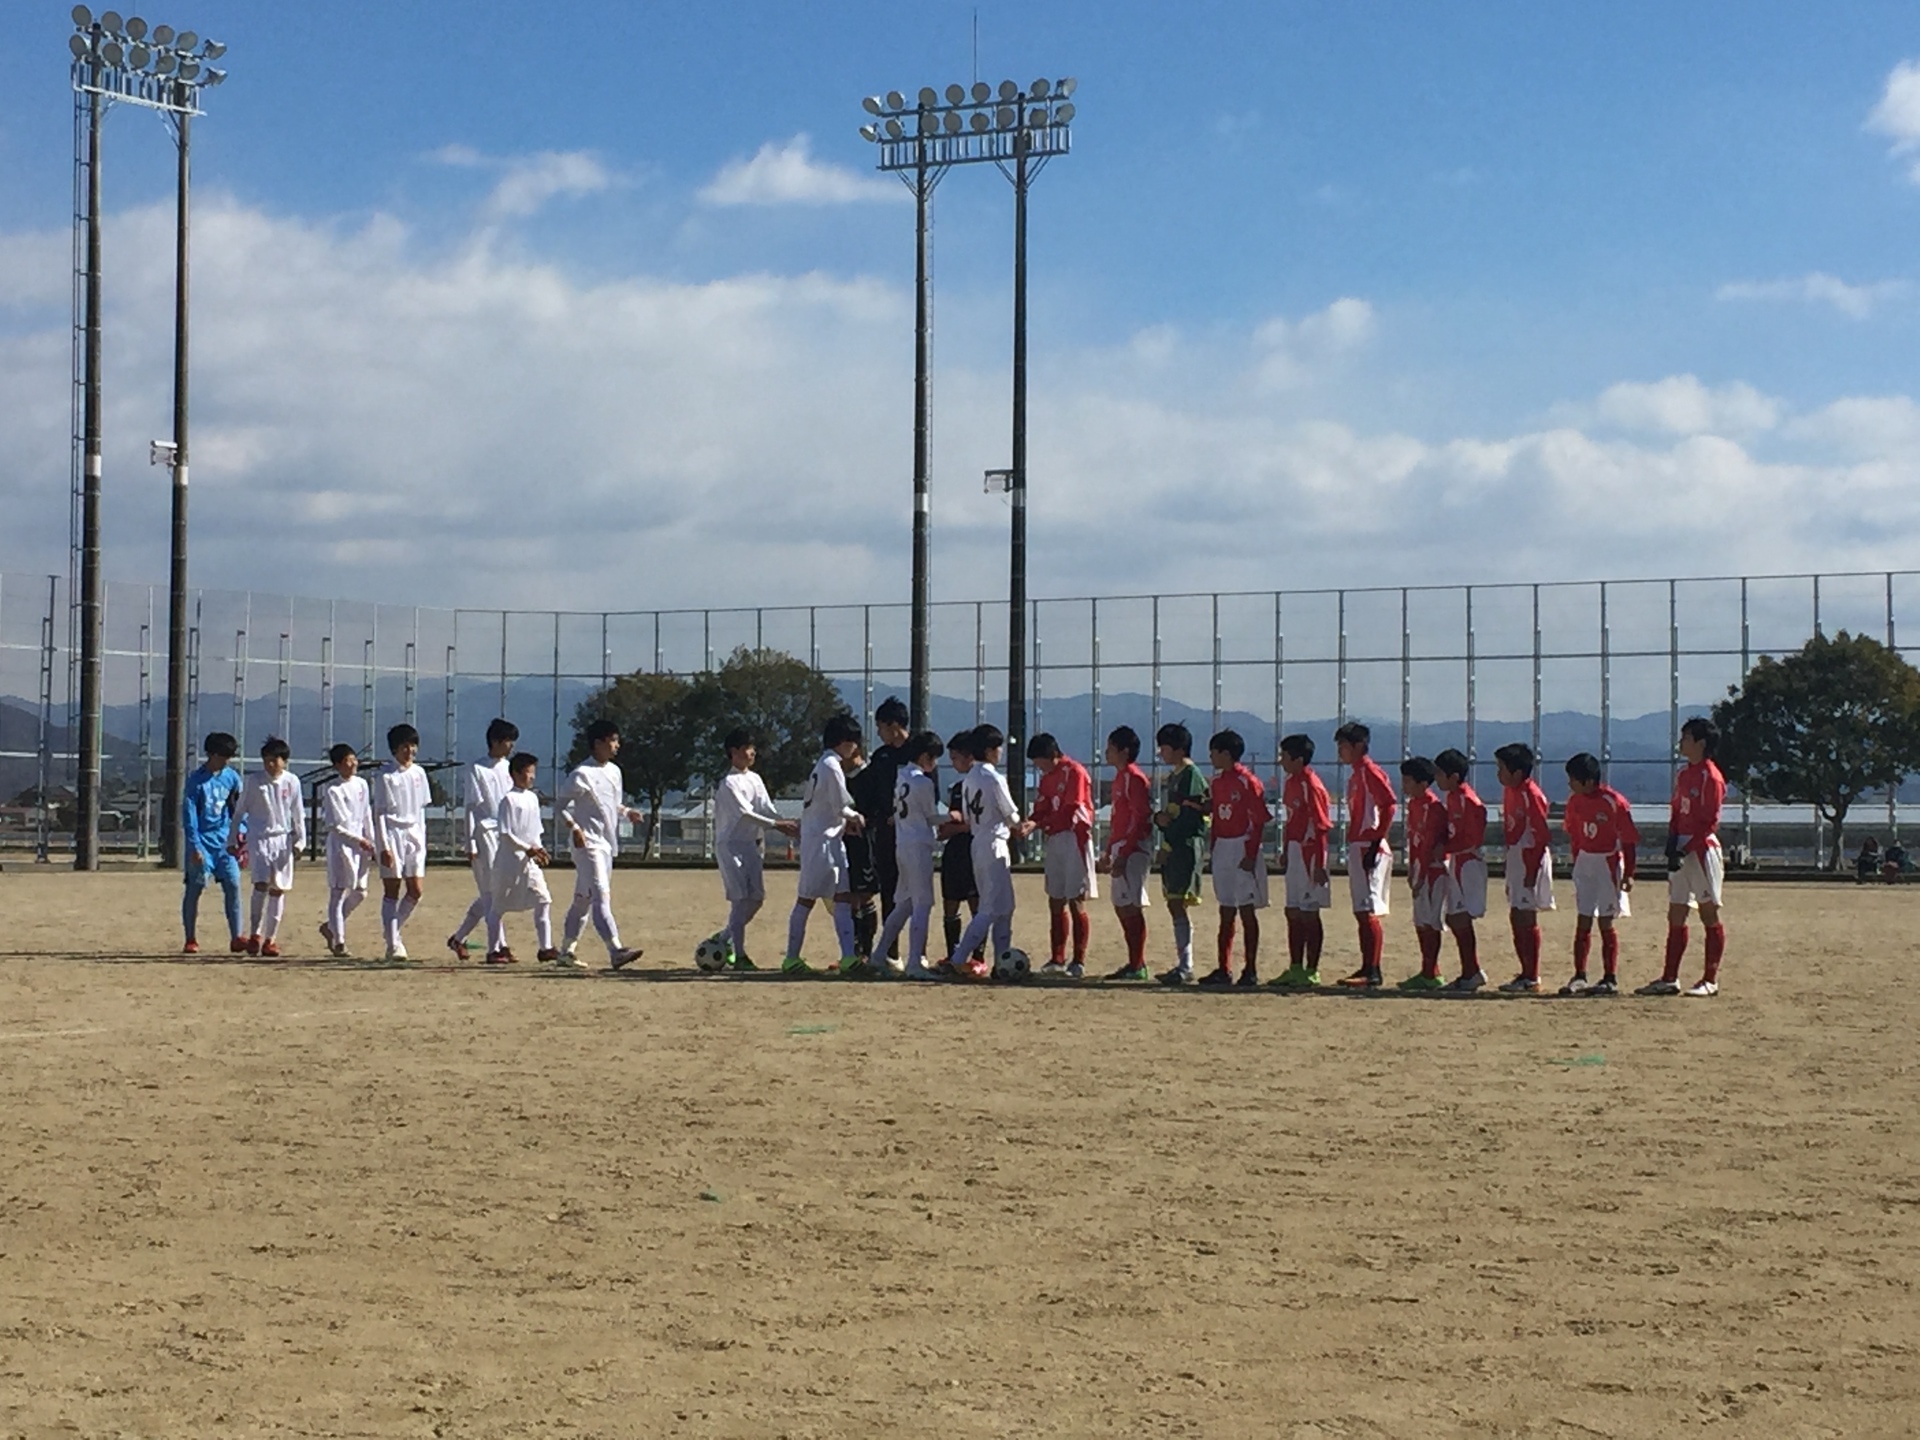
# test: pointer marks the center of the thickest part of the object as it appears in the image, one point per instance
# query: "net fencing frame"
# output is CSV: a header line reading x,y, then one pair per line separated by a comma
x,y
1610,666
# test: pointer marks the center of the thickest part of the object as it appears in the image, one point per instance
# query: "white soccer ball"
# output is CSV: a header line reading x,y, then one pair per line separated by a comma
x,y
1012,965
714,953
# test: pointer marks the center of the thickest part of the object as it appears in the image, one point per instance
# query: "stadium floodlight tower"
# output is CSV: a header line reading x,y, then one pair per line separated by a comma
x,y
124,60
1018,129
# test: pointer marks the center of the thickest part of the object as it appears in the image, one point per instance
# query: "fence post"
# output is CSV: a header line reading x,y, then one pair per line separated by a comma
x,y
979,662
240,694
1154,739
283,689
1096,745
193,670
1606,687
553,737
1673,681
368,706
1893,792
1406,678
450,733
1279,682
606,654
1473,681
1536,675
146,730
503,664
1035,726
1746,664
326,685
866,640
44,838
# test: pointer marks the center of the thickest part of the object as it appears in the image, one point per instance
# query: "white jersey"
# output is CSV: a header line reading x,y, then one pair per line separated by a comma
x,y
742,808
347,808
271,806
991,814
487,781
517,818
594,799
400,801
829,803
917,811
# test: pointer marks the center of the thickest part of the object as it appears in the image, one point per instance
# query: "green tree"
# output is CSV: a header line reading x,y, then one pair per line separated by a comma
x,y
1823,727
784,701
660,737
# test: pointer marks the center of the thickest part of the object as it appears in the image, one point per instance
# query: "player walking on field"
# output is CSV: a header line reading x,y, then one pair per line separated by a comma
x,y
1129,856
917,818
519,881
1182,822
1426,867
1466,867
1370,809
1303,861
743,812
592,804
1523,824
1695,869
1063,810
993,820
957,885
1600,828
274,818
486,782
206,822
347,807
401,796
825,818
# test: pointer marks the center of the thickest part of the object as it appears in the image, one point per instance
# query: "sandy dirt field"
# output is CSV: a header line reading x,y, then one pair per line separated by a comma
x,y
319,1198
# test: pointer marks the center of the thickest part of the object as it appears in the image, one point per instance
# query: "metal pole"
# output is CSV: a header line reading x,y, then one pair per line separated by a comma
x,y
1746,663
1472,680
1537,757
920,661
176,767
1893,792
1406,678
1606,686
86,836
1017,586
1216,663
45,744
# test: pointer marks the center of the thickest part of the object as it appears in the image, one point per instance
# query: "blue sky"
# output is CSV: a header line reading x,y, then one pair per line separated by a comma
x,y
1306,257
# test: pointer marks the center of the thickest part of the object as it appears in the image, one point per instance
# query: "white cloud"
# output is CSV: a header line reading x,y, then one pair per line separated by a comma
x,y
787,174
528,182
1856,301
1681,405
1897,116
1289,353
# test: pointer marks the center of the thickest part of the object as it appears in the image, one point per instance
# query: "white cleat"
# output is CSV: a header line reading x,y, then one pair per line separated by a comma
x,y
1705,990
1659,987
618,960
398,952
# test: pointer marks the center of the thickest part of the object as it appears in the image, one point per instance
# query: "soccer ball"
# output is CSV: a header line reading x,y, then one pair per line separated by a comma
x,y
1012,965
714,953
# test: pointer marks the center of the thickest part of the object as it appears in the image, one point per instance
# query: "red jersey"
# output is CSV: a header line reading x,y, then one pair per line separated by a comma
x,y
1698,792
1370,803
1240,808
1309,816
1523,819
1130,823
1064,801
1426,837
1466,823
1602,824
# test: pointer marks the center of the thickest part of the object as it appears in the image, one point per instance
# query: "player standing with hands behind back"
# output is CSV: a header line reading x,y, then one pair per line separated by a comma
x,y
1695,869
1370,807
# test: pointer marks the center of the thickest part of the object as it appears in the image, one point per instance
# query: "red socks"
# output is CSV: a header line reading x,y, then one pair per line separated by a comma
x,y
1469,947
1430,952
1057,935
1582,948
1373,940
1296,939
1134,926
1082,933
1526,945
1610,951
1226,939
1716,949
1316,939
1676,952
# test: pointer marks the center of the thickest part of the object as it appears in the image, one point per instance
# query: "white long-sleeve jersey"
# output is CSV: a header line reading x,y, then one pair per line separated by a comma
x,y
347,808
486,781
272,805
400,801
829,804
594,798
517,818
991,813
742,808
917,811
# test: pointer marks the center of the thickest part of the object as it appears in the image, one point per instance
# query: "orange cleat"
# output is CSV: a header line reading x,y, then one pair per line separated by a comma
x,y
253,945
238,945
269,950
192,947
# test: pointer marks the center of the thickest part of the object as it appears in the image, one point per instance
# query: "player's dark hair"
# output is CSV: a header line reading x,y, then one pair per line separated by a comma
x,y
961,744
498,730
1417,767
522,761
1705,731
1126,740
1228,742
839,730
893,711
985,738
1452,762
1585,768
1043,747
340,752
601,729
1354,733
276,749
1174,736
222,744
1517,758
1299,747
738,738
924,745
402,734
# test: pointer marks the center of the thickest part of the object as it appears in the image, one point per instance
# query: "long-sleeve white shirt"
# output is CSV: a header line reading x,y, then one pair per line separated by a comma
x,y
487,781
917,811
829,804
400,801
991,813
272,805
347,808
517,817
742,808
594,799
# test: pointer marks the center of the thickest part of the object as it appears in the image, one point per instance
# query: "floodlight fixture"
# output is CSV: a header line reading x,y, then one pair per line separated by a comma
x,y
896,101
212,50
136,28
872,105
163,35
79,46
110,22
82,18
1038,89
187,40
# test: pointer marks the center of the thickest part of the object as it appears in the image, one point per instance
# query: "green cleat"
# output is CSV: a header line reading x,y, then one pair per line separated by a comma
x,y
852,966
1422,982
1294,978
740,962
794,965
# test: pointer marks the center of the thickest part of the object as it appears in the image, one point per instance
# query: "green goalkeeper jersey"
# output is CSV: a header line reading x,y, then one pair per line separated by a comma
x,y
1182,822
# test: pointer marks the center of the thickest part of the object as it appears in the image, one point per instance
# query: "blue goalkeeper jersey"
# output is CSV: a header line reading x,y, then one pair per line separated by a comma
x,y
206,813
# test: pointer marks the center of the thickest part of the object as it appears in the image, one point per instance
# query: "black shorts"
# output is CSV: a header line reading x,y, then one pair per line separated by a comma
x,y
956,871
860,879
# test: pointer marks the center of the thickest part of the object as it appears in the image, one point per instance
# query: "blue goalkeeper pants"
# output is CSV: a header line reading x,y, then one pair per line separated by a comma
x,y
226,870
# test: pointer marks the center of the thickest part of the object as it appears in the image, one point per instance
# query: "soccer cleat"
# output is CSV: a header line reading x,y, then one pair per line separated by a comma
x,y
237,945
458,947
1295,977
1467,984
620,959
1521,985
976,969
547,956
1578,985
1605,985
338,950
741,962
1422,981
1175,977
1249,978
1705,990
919,970
854,967
192,947
1218,978
794,965
252,947
398,953
498,957
573,960
269,950
1053,970
1363,979
1076,971
1131,972
326,934
944,969
1659,987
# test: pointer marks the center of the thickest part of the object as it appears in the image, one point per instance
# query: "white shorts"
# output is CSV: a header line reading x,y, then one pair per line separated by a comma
x,y
1069,861
1467,886
409,846
519,884
1522,896
1595,890
1697,881
823,869
1369,887
1234,887
486,844
1129,879
993,877
1430,904
270,861
1302,893
914,888
742,871
348,866
592,870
